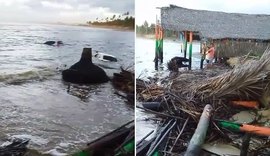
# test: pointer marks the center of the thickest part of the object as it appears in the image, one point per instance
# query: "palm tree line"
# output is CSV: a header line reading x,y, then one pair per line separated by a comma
x,y
124,20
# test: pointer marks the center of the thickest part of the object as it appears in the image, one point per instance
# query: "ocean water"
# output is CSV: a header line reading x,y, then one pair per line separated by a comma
x,y
145,54
37,104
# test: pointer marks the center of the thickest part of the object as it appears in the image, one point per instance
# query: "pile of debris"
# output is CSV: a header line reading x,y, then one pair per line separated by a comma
x,y
223,95
124,81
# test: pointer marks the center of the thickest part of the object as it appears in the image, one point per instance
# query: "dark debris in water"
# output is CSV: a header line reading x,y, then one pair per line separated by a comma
x,y
18,147
125,83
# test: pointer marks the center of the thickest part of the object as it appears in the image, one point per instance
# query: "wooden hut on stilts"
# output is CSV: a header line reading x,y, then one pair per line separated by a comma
x,y
233,34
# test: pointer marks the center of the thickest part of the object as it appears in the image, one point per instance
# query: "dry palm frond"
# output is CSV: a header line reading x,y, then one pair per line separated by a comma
x,y
190,92
247,81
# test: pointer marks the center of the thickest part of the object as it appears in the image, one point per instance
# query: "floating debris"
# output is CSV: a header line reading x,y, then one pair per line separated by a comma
x,y
16,148
221,149
119,142
125,82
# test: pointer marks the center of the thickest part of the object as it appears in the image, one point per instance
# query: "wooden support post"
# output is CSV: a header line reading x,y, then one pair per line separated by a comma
x,y
199,135
190,49
185,44
161,45
156,48
181,40
202,54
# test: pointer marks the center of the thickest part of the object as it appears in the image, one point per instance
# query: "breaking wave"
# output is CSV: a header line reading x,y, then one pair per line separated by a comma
x,y
32,75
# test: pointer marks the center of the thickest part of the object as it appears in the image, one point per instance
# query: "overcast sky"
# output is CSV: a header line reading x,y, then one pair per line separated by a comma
x,y
146,9
67,11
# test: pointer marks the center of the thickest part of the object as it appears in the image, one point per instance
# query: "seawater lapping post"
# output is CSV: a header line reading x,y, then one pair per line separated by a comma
x,y
181,38
159,45
185,39
185,44
190,49
202,52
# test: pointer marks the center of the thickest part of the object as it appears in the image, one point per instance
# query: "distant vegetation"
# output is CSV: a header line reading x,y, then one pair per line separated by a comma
x,y
149,29
123,20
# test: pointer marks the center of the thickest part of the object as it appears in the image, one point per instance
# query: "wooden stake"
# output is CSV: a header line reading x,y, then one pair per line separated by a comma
x,y
190,49
245,144
198,137
202,53
185,46
161,45
156,48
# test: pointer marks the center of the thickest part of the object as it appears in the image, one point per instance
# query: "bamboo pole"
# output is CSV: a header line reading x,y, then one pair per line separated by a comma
x,y
198,137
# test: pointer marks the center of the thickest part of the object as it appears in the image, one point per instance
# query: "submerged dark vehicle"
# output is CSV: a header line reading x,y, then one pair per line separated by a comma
x,y
52,43
119,142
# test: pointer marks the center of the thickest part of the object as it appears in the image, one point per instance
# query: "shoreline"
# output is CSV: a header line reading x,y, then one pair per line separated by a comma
x,y
146,36
152,37
119,28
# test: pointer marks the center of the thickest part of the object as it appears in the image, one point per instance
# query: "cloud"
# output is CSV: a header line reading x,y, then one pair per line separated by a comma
x,y
146,9
56,5
69,11
91,14
9,3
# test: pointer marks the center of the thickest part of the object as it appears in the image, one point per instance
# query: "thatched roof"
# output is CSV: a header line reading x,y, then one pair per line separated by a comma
x,y
216,25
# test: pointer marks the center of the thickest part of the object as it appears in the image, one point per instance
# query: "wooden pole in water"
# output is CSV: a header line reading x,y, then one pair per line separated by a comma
x,y
156,48
190,49
161,45
199,135
185,46
181,40
202,54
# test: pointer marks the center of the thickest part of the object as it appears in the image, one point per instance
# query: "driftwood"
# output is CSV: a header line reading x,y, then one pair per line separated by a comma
x,y
125,82
245,144
198,137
